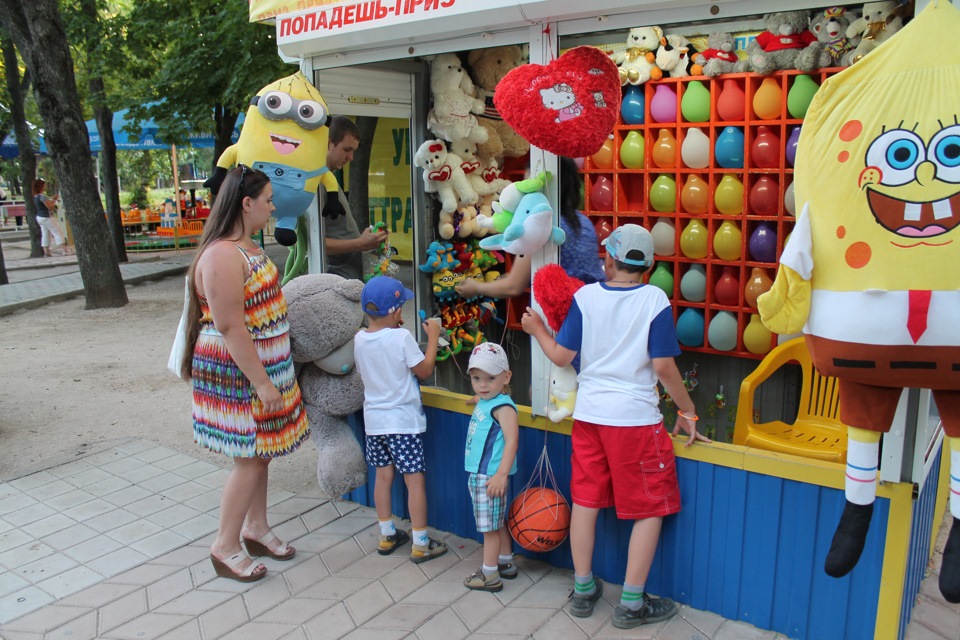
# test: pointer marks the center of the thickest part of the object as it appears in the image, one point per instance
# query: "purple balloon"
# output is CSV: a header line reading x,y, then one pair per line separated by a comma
x,y
792,145
763,244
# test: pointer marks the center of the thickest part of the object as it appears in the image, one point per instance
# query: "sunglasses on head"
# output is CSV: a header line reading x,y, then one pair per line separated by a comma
x,y
243,175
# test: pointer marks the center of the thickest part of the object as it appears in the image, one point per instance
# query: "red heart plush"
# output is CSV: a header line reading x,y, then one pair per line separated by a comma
x,y
490,174
567,107
469,167
442,175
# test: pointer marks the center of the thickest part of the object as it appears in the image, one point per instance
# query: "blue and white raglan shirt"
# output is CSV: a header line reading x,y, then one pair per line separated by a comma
x,y
485,440
617,332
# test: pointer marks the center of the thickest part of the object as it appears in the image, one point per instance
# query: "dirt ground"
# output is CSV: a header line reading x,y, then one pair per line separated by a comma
x,y
74,381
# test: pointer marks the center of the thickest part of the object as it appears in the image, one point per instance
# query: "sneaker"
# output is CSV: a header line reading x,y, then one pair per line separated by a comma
x,y
582,606
508,571
652,610
389,544
480,582
422,553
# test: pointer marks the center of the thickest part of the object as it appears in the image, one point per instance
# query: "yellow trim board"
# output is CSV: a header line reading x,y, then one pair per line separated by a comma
x,y
895,553
779,465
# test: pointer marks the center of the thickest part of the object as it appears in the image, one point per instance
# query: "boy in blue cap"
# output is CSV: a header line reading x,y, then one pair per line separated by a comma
x,y
622,453
390,364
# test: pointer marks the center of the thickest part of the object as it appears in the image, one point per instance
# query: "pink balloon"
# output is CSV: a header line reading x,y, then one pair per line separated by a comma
x,y
663,106
579,163
601,196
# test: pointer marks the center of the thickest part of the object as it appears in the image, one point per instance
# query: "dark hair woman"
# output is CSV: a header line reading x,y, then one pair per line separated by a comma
x,y
246,402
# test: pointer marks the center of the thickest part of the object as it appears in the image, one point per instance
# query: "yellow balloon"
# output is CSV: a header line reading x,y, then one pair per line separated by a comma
x,y
767,101
631,151
693,240
603,159
756,337
695,196
727,241
728,196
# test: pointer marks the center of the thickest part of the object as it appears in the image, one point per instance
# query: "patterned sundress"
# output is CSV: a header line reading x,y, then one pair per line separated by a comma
x,y
227,415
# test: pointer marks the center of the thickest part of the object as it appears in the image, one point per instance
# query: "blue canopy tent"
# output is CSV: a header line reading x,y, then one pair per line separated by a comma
x,y
9,148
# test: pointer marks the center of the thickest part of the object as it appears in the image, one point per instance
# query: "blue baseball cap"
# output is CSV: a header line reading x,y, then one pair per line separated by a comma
x,y
383,295
629,238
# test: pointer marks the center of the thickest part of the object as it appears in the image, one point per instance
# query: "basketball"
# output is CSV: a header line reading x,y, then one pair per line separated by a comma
x,y
539,519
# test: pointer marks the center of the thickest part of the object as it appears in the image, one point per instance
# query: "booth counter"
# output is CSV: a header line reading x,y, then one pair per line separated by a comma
x,y
749,541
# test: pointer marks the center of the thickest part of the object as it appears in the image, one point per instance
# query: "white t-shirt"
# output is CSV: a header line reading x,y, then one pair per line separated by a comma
x,y
618,331
391,391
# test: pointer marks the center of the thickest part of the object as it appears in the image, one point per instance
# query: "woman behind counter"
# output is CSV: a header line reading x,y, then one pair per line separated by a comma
x,y
246,402
579,254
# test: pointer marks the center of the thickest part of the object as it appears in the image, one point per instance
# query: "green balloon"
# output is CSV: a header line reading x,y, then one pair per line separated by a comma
x,y
631,151
662,278
695,104
663,194
800,95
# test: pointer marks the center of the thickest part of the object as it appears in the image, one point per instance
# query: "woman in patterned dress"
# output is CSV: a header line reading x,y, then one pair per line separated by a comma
x,y
246,402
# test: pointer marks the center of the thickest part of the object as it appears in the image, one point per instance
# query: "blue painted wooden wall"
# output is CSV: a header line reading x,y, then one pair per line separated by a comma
x,y
920,536
746,546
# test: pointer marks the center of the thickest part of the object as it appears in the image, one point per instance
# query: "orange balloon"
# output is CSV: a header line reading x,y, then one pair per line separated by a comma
x,y
695,196
603,159
767,101
664,152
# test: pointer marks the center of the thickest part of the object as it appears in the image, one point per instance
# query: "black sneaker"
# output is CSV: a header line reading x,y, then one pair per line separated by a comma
x,y
652,610
582,606
389,544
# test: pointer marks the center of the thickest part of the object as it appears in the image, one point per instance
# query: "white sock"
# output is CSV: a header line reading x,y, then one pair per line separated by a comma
x,y
420,537
509,558
955,483
387,528
489,571
861,480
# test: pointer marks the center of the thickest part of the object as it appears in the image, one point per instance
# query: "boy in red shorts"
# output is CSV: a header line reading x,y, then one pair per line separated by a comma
x,y
622,454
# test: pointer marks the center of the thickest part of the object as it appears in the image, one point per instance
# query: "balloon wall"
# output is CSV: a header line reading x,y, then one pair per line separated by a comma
x,y
707,165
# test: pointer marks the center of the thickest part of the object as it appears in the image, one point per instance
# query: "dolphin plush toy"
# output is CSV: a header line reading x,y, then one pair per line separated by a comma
x,y
530,229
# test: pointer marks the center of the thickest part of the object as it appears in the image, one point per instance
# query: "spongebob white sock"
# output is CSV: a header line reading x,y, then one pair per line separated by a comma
x,y
954,477
863,451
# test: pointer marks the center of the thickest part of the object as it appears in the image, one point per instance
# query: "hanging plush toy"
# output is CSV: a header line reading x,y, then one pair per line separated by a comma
x,y
532,227
285,136
870,272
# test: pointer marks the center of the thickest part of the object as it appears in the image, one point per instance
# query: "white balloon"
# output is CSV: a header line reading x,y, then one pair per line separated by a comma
x,y
722,334
695,150
693,284
664,237
789,201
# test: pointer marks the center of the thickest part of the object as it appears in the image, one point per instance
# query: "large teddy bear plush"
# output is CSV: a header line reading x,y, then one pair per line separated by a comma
x,y
830,27
637,63
325,314
877,24
487,68
779,47
452,116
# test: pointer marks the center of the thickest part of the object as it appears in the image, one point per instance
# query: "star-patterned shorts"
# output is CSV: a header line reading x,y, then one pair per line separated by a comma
x,y
403,450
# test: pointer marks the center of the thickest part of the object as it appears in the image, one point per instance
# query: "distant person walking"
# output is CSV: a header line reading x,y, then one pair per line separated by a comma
x,y
246,402
49,227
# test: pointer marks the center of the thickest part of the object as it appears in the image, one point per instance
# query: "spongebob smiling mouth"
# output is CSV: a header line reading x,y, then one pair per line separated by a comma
x,y
915,220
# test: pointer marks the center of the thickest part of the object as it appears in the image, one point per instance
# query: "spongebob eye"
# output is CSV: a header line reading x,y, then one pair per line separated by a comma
x,y
897,154
944,151
277,102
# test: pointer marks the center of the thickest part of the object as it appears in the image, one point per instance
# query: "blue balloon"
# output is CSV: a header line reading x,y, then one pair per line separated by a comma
x,y
631,107
690,327
792,145
728,149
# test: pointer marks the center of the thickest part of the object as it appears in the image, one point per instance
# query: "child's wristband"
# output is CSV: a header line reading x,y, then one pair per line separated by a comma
x,y
692,418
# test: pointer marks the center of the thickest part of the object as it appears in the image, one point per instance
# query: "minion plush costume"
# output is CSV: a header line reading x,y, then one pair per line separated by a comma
x,y
285,135
871,273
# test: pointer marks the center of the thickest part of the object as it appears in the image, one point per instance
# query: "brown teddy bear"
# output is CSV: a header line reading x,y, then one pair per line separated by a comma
x,y
488,67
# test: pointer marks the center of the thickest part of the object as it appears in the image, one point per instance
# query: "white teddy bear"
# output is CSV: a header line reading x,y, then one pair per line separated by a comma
x,y
443,174
563,393
877,24
637,62
483,181
454,104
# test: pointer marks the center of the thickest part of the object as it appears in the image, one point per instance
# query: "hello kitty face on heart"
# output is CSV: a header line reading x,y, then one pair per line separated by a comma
x,y
558,96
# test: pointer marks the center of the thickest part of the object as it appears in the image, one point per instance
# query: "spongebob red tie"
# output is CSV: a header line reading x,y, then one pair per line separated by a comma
x,y
917,315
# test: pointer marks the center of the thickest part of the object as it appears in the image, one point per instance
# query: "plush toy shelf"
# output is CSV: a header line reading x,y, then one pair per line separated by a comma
x,y
712,157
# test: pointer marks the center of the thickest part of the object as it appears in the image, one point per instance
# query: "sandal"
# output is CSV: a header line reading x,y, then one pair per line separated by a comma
x,y
228,568
260,547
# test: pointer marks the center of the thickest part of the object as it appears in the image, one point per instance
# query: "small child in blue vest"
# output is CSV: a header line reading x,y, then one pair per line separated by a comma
x,y
490,459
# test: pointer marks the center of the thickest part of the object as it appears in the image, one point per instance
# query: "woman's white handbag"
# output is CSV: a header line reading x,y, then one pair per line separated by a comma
x,y
180,340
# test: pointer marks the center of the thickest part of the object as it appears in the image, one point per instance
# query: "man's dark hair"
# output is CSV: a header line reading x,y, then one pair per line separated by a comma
x,y
341,127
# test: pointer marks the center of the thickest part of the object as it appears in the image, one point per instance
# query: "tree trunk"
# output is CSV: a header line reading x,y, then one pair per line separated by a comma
x,y
225,120
360,172
28,161
3,269
108,166
38,31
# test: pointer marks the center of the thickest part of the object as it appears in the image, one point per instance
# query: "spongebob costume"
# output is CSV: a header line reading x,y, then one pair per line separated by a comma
x,y
871,273
285,135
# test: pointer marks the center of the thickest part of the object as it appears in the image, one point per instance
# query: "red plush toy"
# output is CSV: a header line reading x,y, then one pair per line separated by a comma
x,y
567,107
554,290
